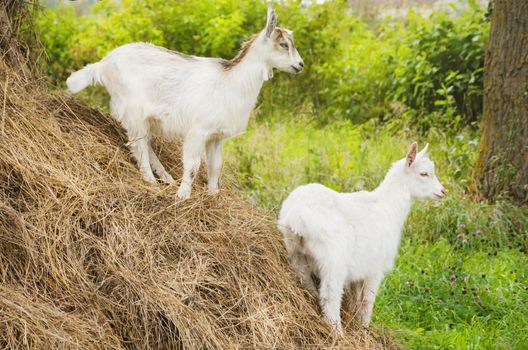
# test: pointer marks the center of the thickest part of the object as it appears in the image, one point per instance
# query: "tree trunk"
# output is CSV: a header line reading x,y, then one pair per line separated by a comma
x,y
502,166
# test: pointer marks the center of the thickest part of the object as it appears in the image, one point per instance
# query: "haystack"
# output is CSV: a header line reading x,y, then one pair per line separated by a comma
x,y
91,257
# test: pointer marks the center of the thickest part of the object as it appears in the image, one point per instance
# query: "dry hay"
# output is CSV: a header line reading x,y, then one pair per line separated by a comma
x,y
93,258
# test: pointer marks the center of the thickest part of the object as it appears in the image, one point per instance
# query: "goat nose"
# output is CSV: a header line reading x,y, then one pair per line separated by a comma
x,y
444,191
301,64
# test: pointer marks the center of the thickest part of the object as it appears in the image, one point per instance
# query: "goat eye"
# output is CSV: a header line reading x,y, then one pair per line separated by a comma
x,y
424,174
284,45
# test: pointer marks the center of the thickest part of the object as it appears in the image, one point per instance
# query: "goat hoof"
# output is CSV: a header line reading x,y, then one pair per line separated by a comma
x,y
151,181
213,191
166,178
183,193
339,330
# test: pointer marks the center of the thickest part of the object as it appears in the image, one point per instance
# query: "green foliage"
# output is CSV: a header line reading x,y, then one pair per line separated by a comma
x,y
56,29
430,66
444,69
453,295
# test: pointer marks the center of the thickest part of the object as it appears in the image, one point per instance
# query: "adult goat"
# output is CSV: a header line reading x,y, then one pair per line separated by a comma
x,y
155,91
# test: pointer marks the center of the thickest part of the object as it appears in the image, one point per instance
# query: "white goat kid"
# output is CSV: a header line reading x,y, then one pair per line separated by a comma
x,y
155,91
350,240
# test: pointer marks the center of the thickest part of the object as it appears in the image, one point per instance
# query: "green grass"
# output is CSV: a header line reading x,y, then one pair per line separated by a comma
x,y
486,307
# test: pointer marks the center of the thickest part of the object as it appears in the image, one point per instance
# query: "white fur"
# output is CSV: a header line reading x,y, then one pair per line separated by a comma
x,y
155,91
350,240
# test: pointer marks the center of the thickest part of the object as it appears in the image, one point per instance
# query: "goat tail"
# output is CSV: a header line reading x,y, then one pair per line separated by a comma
x,y
291,225
302,222
291,239
89,75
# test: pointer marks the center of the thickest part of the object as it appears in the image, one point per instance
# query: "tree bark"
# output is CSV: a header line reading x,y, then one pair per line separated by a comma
x,y
502,166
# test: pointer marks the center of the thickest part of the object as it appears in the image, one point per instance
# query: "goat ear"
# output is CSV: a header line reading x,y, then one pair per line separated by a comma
x,y
411,156
423,152
272,20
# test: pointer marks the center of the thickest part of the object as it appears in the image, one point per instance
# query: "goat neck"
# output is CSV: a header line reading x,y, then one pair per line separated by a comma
x,y
395,193
248,75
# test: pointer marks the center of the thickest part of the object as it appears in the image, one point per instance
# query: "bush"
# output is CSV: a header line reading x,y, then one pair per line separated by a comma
x,y
442,70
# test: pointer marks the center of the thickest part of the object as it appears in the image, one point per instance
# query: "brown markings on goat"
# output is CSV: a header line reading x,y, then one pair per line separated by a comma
x,y
229,64
282,36
279,35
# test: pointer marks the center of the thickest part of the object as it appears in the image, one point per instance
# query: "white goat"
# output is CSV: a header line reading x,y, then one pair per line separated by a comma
x,y
350,240
155,91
